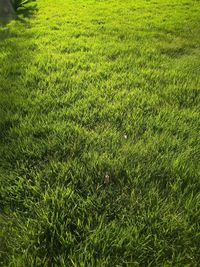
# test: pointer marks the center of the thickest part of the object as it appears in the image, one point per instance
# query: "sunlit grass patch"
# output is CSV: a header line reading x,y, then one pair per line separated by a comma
x,y
99,134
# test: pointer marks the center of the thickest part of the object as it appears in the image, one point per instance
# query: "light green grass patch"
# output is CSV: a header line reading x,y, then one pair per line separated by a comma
x,y
95,88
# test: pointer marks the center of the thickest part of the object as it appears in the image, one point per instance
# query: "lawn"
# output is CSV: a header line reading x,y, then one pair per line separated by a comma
x,y
100,134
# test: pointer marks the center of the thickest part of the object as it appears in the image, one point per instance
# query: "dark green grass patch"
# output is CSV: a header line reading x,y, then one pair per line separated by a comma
x,y
99,135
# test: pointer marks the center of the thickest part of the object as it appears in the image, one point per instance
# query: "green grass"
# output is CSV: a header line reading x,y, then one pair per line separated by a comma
x,y
76,79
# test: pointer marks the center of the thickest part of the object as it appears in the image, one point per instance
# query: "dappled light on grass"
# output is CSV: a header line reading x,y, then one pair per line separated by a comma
x,y
99,134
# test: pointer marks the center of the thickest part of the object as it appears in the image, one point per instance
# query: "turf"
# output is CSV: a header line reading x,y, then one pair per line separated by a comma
x,y
99,134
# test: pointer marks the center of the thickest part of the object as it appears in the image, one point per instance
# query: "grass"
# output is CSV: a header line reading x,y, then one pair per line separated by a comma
x,y
99,134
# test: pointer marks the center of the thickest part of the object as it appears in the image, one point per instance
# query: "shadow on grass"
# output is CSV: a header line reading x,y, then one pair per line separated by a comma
x,y
14,43
23,12
15,40
26,11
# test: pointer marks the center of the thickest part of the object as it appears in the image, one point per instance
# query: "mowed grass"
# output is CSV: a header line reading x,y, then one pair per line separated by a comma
x,y
99,135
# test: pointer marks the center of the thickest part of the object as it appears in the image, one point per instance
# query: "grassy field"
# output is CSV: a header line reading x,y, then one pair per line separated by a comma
x,y
99,134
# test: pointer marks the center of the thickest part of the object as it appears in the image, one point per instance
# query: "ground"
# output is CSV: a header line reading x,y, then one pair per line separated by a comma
x,y
99,134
